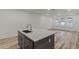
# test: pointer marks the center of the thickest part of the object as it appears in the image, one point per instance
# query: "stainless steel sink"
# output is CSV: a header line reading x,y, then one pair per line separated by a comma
x,y
27,31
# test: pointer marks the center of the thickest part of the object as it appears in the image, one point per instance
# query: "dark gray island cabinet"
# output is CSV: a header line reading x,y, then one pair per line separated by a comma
x,y
37,39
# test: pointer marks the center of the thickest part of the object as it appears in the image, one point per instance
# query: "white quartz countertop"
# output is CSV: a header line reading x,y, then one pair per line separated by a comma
x,y
38,34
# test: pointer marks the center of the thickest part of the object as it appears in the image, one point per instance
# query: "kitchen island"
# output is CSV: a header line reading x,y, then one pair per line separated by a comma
x,y
37,39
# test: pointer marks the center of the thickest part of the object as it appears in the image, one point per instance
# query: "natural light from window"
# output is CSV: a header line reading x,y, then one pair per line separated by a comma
x,y
64,22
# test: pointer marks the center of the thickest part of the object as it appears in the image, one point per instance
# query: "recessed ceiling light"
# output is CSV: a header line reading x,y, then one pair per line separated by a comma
x,y
49,9
68,9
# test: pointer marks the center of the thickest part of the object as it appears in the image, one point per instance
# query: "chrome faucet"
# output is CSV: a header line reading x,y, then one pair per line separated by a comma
x,y
29,27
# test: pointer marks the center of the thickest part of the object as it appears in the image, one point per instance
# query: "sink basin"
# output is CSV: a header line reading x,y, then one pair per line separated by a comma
x,y
27,31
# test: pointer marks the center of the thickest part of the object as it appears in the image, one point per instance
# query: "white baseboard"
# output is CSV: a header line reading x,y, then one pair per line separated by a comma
x,y
7,36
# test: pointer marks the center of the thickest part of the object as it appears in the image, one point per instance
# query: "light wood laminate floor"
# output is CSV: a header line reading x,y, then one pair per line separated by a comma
x,y
9,43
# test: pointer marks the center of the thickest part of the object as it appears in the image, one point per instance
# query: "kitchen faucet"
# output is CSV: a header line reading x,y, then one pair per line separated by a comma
x,y
29,27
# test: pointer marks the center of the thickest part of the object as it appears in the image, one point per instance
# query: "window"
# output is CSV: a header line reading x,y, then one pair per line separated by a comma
x,y
64,22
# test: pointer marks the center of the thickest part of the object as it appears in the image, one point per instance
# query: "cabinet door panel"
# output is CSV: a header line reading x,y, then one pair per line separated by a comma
x,y
27,43
24,42
20,40
46,43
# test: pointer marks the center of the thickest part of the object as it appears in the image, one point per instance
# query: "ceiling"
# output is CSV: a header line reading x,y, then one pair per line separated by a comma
x,y
57,12
40,11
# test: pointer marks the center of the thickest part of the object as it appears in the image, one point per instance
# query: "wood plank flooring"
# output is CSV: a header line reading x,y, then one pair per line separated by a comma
x,y
66,40
9,43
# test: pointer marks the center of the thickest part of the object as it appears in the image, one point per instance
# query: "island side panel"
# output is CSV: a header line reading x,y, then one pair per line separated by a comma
x,y
24,42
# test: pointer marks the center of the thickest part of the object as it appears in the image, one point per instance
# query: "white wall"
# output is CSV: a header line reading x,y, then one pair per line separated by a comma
x,y
76,21
12,20
41,21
